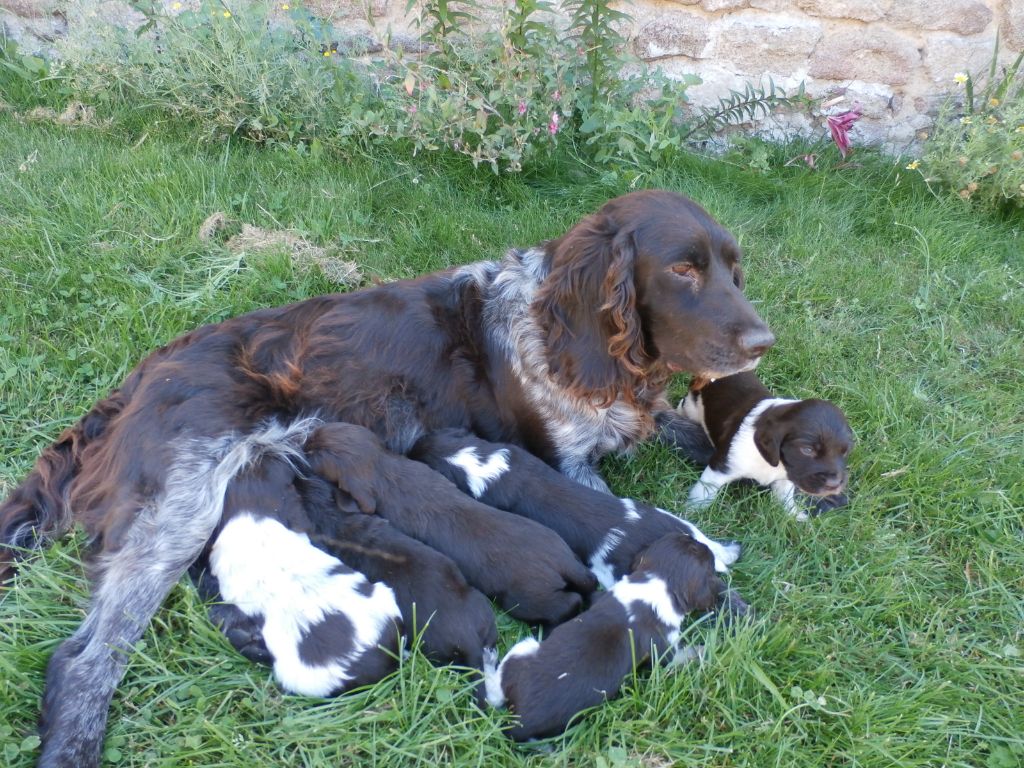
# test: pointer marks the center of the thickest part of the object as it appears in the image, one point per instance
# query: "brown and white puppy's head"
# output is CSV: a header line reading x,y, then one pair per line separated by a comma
x,y
688,569
812,439
647,286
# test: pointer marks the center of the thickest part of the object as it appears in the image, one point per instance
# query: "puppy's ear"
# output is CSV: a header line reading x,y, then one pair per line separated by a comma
x,y
353,481
769,432
699,591
586,306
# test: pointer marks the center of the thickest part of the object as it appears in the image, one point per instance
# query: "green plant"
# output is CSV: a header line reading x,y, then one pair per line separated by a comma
x,y
976,148
24,77
511,97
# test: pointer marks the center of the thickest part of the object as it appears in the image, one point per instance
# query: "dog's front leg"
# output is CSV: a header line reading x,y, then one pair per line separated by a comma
x,y
706,489
684,435
785,492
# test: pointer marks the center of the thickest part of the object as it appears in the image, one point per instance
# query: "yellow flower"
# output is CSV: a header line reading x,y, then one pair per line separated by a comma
x,y
966,120
961,77
285,7
327,52
913,166
226,14
993,102
991,119
176,6
1019,129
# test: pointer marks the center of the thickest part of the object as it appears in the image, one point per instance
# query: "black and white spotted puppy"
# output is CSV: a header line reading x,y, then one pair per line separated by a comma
x,y
605,532
324,627
582,663
788,445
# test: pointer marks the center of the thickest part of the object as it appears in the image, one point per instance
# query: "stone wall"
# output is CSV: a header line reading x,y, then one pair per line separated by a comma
x,y
894,59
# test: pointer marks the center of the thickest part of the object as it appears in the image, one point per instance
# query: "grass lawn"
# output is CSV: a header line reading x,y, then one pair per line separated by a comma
x,y
888,634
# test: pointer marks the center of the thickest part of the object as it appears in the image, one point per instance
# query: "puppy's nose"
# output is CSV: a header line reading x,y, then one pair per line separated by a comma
x,y
756,341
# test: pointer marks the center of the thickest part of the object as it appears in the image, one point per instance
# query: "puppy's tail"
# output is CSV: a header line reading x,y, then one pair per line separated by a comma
x,y
492,678
37,511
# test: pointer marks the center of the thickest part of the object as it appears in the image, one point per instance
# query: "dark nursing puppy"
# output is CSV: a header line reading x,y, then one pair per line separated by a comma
x,y
326,628
526,567
582,663
789,445
604,531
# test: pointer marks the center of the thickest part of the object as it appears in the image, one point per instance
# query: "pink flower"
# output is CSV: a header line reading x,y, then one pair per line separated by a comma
x,y
553,125
522,107
840,125
556,95
412,109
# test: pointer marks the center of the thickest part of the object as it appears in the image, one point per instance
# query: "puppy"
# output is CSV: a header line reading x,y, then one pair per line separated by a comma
x,y
324,627
526,567
455,621
604,531
785,444
583,662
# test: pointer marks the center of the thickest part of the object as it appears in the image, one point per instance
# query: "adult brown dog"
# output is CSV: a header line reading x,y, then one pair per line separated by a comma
x,y
564,349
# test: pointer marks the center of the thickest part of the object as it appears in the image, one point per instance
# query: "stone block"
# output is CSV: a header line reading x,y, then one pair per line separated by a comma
x,y
672,34
862,10
31,9
761,42
1012,27
724,5
872,55
945,55
965,17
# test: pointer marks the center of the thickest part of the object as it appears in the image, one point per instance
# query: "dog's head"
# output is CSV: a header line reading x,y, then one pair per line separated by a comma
x,y
650,284
688,569
812,439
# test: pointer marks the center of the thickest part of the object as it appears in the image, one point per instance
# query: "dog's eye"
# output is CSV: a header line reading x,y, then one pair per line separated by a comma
x,y
686,271
807,450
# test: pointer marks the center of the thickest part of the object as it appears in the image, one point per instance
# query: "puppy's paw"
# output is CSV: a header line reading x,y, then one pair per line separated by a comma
x,y
244,632
829,503
731,552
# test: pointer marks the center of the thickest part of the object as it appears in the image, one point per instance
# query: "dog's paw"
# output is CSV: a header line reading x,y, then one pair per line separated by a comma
x,y
829,503
731,552
244,632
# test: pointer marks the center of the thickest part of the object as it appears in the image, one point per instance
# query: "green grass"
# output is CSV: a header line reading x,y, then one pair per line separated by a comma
x,y
903,613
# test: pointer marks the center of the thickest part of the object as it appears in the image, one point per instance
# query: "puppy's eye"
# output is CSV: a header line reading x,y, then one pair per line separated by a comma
x,y
807,450
686,271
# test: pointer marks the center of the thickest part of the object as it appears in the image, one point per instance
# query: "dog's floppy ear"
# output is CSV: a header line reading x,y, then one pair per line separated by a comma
x,y
769,432
587,308
352,483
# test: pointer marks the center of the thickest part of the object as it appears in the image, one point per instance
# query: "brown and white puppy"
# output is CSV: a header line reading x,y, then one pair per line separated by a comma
x,y
454,621
582,663
326,628
330,550
605,532
789,445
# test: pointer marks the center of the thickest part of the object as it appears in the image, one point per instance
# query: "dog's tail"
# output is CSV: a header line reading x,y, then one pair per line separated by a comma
x,y
37,510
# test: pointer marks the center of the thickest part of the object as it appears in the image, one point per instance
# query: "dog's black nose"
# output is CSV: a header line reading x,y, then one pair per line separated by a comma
x,y
756,341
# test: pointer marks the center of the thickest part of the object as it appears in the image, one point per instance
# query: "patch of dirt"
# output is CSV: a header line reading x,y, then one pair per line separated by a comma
x,y
75,113
304,254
